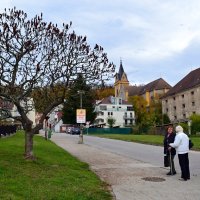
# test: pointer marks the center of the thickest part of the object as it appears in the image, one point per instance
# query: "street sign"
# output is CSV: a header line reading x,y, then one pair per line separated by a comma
x,y
80,116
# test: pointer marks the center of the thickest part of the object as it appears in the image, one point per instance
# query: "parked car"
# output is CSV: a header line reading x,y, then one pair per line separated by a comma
x,y
75,131
69,130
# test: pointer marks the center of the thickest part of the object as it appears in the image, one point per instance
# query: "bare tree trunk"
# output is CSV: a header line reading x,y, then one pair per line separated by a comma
x,y
29,144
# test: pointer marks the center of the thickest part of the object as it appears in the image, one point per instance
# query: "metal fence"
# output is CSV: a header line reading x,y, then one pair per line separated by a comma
x,y
108,131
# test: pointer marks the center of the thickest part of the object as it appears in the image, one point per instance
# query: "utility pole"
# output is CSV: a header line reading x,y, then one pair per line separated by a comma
x,y
81,92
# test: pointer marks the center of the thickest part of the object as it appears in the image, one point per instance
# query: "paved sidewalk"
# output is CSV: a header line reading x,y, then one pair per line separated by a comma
x,y
130,179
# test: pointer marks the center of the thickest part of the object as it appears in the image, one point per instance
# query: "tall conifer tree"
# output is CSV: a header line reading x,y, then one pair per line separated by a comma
x,y
73,101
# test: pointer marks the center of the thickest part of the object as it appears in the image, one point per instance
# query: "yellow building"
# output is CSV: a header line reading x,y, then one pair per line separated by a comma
x,y
152,90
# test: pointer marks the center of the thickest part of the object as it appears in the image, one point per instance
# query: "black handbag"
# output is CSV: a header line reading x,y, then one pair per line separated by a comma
x,y
166,161
190,144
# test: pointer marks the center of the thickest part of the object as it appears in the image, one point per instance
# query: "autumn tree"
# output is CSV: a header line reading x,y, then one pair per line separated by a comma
x,y
72,102
143,116
38,56
155,111
140,108
105,91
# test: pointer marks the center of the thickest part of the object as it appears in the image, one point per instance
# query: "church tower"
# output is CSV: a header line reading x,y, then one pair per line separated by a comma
x,y
121,83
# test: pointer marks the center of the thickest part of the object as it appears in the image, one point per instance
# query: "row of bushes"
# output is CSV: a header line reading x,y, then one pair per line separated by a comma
x,y
161,130
7,129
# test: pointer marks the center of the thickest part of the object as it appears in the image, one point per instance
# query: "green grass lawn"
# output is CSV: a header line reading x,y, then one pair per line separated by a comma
x,y
146,139
54,175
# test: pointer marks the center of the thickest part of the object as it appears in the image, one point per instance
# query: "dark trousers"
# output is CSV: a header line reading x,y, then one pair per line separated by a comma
x,y
171,163
184,164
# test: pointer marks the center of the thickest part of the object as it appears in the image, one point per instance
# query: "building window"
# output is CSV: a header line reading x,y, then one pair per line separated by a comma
x,y
166,101
125,121
192,93
193,103
101,113
194,112
182,95
174,98
108,113
103,107
131,115
111,113
174,107
167,109
129,108
120,101
184,116
125,114
113,107
183,105
175,117
131,122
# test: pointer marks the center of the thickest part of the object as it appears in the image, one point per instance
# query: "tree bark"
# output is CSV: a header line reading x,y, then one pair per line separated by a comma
x,y
29,144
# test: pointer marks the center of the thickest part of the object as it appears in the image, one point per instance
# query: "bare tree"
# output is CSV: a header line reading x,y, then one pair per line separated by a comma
x,y
38,55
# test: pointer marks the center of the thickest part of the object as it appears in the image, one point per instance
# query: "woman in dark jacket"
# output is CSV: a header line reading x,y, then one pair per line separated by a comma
x,y
169,138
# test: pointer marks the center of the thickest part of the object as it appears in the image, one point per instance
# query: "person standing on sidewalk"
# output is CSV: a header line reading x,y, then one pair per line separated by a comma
x,y
181,143
170,153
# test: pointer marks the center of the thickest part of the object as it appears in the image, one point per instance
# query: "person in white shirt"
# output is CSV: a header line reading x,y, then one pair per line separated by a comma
x,y
181,143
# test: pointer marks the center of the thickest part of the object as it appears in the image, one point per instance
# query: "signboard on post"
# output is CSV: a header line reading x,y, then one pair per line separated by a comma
x,y
81,116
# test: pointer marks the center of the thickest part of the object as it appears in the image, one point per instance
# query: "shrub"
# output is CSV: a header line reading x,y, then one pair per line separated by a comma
x,y
195,126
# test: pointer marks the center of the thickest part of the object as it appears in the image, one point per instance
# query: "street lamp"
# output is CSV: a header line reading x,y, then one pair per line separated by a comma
x,y
81,92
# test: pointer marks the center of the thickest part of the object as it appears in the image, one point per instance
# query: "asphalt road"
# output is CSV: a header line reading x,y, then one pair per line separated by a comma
x,y
133,171
141,152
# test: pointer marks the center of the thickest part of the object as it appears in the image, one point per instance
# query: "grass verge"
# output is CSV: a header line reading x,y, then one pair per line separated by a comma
x,y
54,175
147,139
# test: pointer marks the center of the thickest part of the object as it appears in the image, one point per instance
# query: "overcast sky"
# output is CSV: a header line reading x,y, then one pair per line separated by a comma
x,y
153,38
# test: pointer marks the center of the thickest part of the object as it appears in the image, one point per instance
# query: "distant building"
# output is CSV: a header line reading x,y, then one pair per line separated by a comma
x,y
154,89
54,119
116,108
12,109
6,108
183,100
31,114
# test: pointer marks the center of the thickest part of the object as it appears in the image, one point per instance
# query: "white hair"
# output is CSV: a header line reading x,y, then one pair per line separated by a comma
x,y
179,129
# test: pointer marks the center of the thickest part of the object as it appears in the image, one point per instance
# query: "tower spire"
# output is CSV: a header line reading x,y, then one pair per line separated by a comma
x,y
121,69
